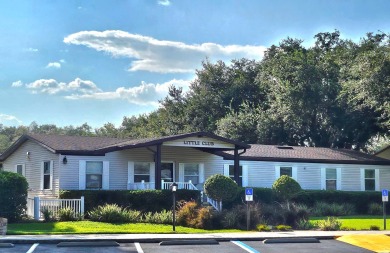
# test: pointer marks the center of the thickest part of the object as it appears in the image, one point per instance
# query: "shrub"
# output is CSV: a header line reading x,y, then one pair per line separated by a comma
x,y
67,214
263,228
347,229
186,215
163,217
283,227
237,217
375,209
190,214
141,200
13,197
221,188
304,224
204,218
47,214
114,214
374,227
332,209
286,188
330,224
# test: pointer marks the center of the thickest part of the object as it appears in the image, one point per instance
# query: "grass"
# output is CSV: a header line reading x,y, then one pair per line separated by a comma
x,y
358,222
90,227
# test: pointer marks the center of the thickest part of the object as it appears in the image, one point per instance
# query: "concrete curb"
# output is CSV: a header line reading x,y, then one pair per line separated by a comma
x,y
189,242
89,244
291,240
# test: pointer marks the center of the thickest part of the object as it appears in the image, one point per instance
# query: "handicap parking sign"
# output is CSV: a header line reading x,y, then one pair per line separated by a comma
x,y
249,194
385,195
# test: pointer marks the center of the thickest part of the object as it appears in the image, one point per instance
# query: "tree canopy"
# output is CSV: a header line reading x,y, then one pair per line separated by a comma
x,y
333,94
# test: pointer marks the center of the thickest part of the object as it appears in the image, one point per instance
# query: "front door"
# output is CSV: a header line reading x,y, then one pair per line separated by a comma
x,y
167,172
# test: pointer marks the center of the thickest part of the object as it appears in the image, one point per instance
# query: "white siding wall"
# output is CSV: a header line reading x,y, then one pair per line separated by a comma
x,y
33,167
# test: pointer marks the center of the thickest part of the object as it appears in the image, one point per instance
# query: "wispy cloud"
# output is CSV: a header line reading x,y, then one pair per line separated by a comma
x,y
150,54
30,49
55,65
164,2
9,120
143,94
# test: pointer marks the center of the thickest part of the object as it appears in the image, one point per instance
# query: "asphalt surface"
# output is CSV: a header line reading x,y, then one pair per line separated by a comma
x,y
323,246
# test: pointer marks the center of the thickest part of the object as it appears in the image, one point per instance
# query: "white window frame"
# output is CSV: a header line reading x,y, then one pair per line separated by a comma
x,y
338,178
23,168
130,174
293,171
363,179
200,172
51,164
105,174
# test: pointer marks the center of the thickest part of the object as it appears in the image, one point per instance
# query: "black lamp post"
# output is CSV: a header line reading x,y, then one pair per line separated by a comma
x,y
174,189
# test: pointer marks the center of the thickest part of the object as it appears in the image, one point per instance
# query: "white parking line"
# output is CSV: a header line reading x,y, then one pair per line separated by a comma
x,y
31,250
138,247
245,247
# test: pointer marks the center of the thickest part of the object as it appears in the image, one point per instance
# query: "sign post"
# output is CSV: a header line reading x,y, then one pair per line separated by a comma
x,y
248,198
385,199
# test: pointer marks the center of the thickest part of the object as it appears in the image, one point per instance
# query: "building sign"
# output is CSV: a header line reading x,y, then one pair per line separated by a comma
x,y
198,143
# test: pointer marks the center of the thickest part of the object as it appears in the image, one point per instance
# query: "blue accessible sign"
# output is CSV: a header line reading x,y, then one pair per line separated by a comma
x,y
249,194
385,195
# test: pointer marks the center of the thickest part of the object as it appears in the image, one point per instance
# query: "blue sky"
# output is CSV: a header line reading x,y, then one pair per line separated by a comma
x,y
67,62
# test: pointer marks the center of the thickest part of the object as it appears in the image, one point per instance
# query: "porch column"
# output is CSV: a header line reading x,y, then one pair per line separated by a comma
x,y
237,167
158,168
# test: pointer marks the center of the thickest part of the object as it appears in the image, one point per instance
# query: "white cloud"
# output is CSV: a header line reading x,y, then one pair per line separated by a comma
x,y
52,86
164,2
144,94
78,89
17,84
55,65
9,120
149,54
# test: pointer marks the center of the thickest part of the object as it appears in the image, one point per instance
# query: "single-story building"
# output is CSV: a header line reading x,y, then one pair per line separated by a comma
x,y
56,162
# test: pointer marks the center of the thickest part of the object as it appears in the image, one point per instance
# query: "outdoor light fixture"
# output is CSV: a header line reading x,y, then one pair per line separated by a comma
x,y
174,189
65,160
28,155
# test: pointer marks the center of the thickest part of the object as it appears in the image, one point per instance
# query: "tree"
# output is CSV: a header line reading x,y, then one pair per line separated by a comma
x,y
286,188
221,188
13,197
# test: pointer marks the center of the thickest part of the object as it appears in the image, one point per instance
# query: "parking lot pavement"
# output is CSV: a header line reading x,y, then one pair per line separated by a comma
x,y
324,246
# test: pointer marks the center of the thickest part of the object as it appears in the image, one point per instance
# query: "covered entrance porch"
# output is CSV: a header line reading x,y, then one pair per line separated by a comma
x,y
186,159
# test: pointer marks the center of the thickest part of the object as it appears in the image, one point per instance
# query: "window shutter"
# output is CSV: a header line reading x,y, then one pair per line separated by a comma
x,y
294,173
82,178
42,168
106,175
338,179
226,170
323,179
277,172
201,173
152,173
245,176
362,181
24,169
377,186
130,175
181,172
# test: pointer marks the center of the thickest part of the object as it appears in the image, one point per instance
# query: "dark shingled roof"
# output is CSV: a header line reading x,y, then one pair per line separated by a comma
x,y
259,152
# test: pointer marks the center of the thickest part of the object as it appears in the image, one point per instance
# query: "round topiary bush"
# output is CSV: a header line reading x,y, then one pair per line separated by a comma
x,y
13,197
286,188
221,188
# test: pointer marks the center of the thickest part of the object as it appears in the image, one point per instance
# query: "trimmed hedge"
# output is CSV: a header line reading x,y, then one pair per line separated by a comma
x,y
13,195
142,200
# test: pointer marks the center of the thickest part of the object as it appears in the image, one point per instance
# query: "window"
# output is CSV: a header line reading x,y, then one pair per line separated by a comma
x,y
369,180
20,169
141,172
94,174
286,171
191,172
46,176
331,179
231,173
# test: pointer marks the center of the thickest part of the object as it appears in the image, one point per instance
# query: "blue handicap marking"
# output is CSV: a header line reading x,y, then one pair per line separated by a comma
x,y
249,191
385,192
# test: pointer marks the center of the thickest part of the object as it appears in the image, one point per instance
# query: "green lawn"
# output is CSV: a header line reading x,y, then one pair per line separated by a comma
x,y
358,222
90,227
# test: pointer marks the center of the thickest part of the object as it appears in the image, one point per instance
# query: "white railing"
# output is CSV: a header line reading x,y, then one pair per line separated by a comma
x,y
30,207
214,203
54,205
180,185
141,185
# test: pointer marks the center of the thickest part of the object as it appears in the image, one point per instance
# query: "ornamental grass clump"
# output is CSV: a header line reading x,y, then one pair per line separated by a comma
x,y
114,214
163,217
330,224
